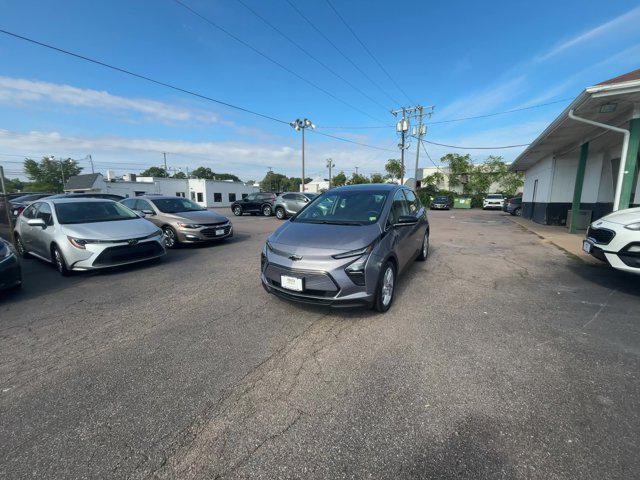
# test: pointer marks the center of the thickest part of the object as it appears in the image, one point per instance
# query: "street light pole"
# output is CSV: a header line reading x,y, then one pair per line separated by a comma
x,y
330,164
297,125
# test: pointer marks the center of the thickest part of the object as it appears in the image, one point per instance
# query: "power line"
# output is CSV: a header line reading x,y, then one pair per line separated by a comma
x,y
310,55
272,60
369,51
477,148
352,141
140,76
337,49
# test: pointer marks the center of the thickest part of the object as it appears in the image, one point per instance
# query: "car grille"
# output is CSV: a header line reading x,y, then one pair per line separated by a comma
x,y
601,236
314,283
211,232
215,224
128,253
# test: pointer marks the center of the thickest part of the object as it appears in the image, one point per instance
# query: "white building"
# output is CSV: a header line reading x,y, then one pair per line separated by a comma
x,y
208,193
316,186
574,165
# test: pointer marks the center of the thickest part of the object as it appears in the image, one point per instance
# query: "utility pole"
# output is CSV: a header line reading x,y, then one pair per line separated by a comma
x,y
330,165
302,125
402,127
418,132
91,162
62,173
164,154
356,170
6,205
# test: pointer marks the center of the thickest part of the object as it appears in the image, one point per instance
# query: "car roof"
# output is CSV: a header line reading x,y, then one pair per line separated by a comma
x,y
74,200
153,197
369,186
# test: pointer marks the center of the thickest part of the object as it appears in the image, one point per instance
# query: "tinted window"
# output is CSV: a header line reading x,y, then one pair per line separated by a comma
x,y
129,202
44,212
441,199
265,196
232,197
91,212
359,207
217,197
143,205
399,207
251,196
289,196
412,202
244,195
31,211
175,205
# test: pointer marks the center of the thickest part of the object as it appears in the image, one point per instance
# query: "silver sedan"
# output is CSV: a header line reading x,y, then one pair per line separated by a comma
x,y
86,234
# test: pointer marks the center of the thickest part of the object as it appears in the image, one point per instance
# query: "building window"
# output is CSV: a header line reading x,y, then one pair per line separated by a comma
x,y
193,196
180,194
200,199
245,195
232,197
217,197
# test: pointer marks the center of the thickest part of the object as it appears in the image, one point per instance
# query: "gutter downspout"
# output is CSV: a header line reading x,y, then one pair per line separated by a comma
x,y
623,155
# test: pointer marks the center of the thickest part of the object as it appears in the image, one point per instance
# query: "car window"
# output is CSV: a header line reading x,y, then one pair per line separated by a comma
x,y
399,208
44,212
143,205
289,196
251,196
30,212
129,202
92,212
172,205
412,202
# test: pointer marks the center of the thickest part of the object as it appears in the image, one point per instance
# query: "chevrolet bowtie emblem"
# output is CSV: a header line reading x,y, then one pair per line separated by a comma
x,y
133,241
295,258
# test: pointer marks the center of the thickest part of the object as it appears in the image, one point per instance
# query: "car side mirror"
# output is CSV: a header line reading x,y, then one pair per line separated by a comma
x,y
406,220
148,212
37,222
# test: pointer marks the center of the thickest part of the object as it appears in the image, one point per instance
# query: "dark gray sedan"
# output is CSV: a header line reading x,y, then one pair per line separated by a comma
x,y
347,247
10,271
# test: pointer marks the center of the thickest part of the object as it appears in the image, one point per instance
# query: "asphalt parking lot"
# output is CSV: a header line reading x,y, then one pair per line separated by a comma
x,y
502,357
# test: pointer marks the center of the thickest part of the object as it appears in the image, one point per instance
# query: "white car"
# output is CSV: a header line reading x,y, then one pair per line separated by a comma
x,y
616,239
493,200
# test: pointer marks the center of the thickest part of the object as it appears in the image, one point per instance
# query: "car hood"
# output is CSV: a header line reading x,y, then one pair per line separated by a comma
x,y
623,217
300,237
203,216
118,230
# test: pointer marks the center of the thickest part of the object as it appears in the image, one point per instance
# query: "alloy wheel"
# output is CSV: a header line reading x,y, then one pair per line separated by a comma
x,y
170,237
237,211
280,214
20,247
425,245
59,261
387,286
266,211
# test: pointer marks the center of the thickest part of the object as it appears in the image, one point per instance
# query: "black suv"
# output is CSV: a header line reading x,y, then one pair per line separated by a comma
x,y
255,203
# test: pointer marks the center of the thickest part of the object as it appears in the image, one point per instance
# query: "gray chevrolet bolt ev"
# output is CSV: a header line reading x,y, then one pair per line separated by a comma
x,y
347,247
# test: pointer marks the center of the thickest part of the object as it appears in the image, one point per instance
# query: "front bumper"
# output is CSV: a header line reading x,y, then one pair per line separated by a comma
x,y
489,206
616,251
10,272
100,256
439,206
206,234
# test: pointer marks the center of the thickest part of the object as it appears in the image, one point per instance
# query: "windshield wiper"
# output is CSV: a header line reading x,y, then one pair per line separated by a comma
x,y
336,222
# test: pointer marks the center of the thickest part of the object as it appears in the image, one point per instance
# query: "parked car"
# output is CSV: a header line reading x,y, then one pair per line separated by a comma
x,y
106,196
441,202
513,206
181,220
290,203
615,239
347,247
493,201
86,234
18,204
255,203
10,271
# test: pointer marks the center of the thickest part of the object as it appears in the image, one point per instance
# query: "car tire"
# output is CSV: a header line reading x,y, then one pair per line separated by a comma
x,y
424,250
266,210
237,211
518,212
20,248
280,213
385,291
59,262
170,237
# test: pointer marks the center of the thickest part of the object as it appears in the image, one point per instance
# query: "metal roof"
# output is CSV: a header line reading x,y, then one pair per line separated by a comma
x,y
81,182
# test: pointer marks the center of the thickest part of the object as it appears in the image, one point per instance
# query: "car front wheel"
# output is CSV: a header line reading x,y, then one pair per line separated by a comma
x,y
386,287
424,251
170,237
266,210
20,248
237,210
280,213
60,262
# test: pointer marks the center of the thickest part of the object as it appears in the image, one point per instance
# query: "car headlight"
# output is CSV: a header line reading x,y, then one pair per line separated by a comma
x,y
6,251
354,253
268,246
189,225
633,226
78,242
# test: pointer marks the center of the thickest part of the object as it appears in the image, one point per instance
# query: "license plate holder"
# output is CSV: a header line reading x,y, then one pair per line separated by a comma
x,y
291,283
587,246
219,232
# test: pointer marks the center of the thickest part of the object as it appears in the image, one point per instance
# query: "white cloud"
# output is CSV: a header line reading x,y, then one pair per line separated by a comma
x,y
247,160
19,90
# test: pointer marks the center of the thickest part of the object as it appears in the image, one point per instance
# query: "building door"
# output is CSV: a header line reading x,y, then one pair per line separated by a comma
x,y
535,191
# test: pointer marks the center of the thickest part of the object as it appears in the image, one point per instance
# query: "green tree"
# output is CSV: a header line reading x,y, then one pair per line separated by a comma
x,y
357,179
47,173
155,172
203,172
377,178
394,169
339,180
274,182
293,183
511,182
179,175
13,185
435,179
460,167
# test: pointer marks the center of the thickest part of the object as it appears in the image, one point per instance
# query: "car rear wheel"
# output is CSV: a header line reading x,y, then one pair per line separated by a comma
x,y
60,262
237,210
424,252
267,210
518,212
386,287
170,237
280,213
20,248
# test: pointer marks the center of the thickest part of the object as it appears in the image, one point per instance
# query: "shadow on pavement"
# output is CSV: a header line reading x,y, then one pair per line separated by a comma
x,y
607,277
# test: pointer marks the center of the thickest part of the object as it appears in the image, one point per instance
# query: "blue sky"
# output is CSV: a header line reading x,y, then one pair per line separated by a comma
x,y
466,58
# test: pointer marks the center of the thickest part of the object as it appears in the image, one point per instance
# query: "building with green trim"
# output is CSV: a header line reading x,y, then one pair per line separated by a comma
x,y
575,163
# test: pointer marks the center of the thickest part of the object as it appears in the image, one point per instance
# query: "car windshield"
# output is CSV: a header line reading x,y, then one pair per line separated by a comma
x,y
494,197
92,212
441,199
176,205
347,207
